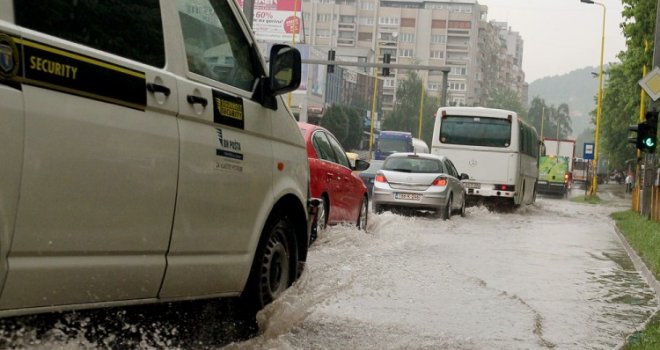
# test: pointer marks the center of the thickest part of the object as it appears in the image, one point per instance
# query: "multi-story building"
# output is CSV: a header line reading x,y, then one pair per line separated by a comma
x,y
443,33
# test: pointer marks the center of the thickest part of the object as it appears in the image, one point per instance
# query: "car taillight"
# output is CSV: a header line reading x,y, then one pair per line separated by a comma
x,y
441,181
380,178
566,178
505,187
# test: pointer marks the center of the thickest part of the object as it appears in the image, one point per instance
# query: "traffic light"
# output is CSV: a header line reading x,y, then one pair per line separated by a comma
x,y
649,132
386,60
331,57
637,139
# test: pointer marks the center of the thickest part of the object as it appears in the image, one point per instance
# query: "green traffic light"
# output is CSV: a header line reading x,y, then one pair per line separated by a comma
x,y
649,142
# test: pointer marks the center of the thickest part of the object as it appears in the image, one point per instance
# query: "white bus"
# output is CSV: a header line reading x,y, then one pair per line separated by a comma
x,y
497,149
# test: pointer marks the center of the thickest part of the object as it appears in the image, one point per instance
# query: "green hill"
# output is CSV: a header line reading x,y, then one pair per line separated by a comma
x,y
578,89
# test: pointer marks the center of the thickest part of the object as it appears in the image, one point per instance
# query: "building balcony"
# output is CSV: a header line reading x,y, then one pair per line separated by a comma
x,y
345,42
346,26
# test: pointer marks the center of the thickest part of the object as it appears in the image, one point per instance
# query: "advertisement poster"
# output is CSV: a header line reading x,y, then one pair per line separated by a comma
x,y
277,20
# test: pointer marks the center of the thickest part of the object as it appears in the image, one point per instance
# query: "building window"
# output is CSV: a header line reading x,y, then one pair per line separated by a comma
x,y
460,24
459,70
347,35
408,22
367,6
367,21
389,83
407,38
365,36
406,53
322,33
438,39
438,24
323,17
437,54
456,86
347,19
389,20
434,86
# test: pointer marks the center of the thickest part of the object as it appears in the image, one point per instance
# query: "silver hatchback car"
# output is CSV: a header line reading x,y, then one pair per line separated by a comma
x,y
419,181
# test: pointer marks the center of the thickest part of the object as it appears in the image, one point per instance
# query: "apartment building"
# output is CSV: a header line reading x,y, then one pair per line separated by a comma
x,y
443,33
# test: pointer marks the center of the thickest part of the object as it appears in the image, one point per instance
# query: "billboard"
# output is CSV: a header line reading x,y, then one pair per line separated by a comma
x,y
277,20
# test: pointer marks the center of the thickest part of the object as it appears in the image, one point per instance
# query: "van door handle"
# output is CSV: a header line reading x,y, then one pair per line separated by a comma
x,y
153,88
192,99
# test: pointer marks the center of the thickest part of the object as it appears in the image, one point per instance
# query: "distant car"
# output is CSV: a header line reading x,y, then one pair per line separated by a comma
x,y
332,179
420,182
369,174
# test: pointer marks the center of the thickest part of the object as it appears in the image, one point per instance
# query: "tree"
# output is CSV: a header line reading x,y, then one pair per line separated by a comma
x,y
405,116
345,123
621,93
550,122
336,121
504,98
355,128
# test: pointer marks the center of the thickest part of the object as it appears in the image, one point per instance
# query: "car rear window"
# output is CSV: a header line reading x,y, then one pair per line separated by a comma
x,y
413,165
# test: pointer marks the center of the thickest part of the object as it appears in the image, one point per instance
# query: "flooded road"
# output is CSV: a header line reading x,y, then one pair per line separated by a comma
x,y
549,276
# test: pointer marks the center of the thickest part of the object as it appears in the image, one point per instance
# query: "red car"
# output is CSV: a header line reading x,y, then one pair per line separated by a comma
x,y
332,178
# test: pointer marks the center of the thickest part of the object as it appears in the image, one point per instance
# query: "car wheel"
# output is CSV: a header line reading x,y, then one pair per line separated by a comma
x,y
321,220
363,215
274,266
445,212
463,208
378,209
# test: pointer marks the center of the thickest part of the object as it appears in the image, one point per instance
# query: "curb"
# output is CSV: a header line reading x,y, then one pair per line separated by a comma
x,y
645,272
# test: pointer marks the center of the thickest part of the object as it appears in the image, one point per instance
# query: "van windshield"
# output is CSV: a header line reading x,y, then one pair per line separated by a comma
x,y
394,145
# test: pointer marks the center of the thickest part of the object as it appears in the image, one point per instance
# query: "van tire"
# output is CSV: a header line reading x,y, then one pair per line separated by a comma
x,y
275,265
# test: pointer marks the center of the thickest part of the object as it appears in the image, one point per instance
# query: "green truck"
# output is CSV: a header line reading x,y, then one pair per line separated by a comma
x,y
554,175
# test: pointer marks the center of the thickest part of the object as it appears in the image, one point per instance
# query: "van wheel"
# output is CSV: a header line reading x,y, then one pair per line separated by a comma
x,y
274,266
363,215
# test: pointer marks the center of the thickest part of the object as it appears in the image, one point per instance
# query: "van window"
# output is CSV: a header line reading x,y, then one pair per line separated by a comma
x,y
215,44
127,28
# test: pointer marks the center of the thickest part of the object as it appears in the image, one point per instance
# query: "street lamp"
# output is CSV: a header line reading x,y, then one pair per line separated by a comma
x,y
599,105
445,83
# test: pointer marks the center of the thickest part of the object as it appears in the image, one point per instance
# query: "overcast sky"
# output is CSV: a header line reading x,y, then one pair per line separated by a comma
x,y
560,35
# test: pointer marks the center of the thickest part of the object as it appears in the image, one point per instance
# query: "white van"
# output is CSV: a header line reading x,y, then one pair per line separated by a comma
x,y
419,146
146,156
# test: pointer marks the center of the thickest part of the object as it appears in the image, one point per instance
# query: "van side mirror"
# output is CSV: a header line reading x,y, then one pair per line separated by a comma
x,y
284,69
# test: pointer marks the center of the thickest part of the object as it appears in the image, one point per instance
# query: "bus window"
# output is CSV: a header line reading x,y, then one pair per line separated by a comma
x,y
475,131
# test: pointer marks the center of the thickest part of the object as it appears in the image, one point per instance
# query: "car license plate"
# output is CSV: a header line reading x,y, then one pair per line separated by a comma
x,y
472,185
408,196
